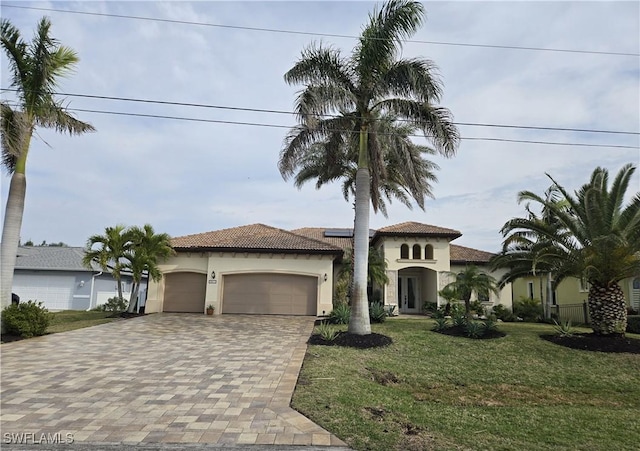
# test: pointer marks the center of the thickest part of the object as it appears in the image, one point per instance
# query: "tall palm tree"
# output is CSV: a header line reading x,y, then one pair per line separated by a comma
x,y
404,172
594,237
35,68
471,280
349,94
109,253
145,250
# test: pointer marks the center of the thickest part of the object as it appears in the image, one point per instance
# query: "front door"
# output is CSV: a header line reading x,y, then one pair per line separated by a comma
x,y
408,294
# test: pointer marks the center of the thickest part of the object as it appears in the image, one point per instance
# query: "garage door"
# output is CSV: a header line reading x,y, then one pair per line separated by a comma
x,y
56,292
275,294
184,292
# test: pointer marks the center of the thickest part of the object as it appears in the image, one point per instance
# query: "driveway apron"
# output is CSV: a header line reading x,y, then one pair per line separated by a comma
x,y
162,378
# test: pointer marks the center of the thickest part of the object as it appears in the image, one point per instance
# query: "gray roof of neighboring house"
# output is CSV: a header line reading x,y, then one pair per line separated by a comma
x,y
52,258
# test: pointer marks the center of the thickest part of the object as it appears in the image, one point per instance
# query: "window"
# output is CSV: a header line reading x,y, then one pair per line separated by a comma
x,y
584,285
428,252
483,296
416,251
530,290
554,298
404,251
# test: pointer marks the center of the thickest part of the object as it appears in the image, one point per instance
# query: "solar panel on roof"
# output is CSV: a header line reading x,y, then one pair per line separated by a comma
x,y
338,233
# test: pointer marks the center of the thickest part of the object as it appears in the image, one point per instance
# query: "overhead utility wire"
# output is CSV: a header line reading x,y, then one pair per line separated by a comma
x,y
259,110
256,124
309,33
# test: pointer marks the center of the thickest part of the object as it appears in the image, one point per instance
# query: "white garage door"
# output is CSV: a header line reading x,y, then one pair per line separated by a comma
x,y
275,294
55,291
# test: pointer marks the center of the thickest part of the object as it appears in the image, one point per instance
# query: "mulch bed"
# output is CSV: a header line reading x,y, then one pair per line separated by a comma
x,y
615,343
353,341
458,331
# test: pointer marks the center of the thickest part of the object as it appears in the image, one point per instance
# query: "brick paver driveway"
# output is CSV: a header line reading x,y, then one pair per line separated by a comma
x,y
162,378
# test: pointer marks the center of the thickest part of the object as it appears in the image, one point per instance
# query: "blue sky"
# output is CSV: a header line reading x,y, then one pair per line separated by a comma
x,y
190,177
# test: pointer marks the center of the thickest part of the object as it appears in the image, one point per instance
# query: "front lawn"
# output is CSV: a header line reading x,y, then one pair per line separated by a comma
x,y
433,391
77,319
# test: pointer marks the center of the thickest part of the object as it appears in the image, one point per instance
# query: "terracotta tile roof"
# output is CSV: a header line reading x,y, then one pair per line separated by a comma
x,y
418,229
317,233
254,238
461,254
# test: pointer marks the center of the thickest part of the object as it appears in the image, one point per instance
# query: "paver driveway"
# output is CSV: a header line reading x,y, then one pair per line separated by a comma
x,y
162,378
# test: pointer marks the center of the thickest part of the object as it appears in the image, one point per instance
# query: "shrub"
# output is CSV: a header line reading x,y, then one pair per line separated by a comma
x,y
564,328
503,313
459,319
474,329
528,309
442,323
476,306
490,325
327,331
377,312
114,304
340,314
27,319
633,324
429,307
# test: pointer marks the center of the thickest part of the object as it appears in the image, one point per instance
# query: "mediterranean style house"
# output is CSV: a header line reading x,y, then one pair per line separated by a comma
x,y
258,269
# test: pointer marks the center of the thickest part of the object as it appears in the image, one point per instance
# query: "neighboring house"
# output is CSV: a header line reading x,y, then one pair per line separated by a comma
x,y
56,276
571,291
265,270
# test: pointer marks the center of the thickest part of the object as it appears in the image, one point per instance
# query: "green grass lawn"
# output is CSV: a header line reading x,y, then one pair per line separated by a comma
x,y
432,391
77,319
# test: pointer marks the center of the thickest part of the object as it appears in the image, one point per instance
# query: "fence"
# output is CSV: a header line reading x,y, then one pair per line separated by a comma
x,y
576,313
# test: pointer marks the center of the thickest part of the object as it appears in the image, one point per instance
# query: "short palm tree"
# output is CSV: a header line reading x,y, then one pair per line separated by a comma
x,y
107,251
471,280
593,236
349,95
35,69
142,256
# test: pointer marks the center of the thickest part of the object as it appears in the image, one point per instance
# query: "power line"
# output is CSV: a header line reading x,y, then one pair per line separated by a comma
x,y
259,110
308,33
256,124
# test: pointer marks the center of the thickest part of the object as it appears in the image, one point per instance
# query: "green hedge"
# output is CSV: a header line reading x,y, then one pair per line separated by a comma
x,y
27,319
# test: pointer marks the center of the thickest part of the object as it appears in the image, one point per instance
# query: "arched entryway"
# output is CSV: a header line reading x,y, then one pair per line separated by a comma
x,y
415,287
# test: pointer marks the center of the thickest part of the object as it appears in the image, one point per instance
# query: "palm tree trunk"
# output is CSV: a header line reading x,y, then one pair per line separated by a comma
x,y
119,285
359,322
607,309
11,234
133,300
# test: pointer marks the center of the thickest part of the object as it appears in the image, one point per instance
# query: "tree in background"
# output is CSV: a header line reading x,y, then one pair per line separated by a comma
x,y
107,251
471,280
35,68
146,248
349,94
593,236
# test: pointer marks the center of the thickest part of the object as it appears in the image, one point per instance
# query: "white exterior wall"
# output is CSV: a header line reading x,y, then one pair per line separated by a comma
x,y
225,263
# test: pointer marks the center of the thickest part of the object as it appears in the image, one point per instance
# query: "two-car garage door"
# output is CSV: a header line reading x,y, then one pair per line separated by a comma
x,y
251,293
274,294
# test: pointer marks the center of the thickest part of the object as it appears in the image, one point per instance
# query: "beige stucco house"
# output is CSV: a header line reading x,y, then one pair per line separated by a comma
x,y
265,270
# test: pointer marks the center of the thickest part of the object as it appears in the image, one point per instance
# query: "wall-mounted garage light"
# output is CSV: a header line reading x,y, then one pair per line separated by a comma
x,y
81,283
325,276
213,274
